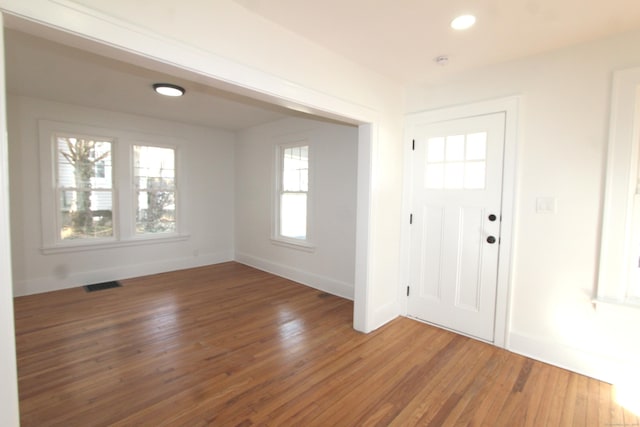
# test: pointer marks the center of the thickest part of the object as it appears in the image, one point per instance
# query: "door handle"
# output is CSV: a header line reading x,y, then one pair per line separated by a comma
x,y
491,240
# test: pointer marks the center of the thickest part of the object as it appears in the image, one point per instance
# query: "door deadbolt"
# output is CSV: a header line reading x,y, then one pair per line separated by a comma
x,y
492,217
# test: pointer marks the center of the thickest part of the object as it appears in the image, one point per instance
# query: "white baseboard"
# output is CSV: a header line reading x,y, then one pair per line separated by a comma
x,y
607,368
316,281
383,315
48,284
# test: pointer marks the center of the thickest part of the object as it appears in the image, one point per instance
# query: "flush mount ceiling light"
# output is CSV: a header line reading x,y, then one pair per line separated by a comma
x,y
167,89
463,22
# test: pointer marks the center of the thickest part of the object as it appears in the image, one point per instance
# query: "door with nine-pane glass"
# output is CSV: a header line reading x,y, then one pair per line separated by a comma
x,y
456,215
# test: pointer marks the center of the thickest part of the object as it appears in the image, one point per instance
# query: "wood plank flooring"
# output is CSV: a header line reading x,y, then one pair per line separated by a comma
x,y
230,345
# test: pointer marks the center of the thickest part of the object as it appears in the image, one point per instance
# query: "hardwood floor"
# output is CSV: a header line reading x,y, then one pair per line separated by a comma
x,y
230,345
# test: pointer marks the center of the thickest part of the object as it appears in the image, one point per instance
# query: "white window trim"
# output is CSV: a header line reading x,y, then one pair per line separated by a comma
x,y
307,244
123,189
621,186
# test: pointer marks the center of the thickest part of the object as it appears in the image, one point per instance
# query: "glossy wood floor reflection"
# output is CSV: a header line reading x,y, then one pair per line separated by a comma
x,y
230,345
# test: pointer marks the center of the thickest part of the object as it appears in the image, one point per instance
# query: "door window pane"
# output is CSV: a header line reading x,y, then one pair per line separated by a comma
x,y
456,162
434,176
454,175
474,175
455,148
477,146
435,150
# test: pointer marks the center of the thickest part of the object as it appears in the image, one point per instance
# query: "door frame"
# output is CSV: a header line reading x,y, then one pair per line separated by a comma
x,y
509,106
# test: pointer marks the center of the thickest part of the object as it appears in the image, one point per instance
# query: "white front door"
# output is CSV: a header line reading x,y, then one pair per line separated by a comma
x,y
456,215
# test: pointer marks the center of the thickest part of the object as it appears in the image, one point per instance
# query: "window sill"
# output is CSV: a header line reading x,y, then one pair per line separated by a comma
x,y
300,246
109,244
611,302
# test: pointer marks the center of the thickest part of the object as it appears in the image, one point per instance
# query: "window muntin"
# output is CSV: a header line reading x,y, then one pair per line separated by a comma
x,y
85,199
154,177
456,162
293,193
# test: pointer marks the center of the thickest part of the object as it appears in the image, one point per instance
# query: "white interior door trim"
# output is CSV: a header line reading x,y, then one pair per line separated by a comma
x,y
509,106
9,413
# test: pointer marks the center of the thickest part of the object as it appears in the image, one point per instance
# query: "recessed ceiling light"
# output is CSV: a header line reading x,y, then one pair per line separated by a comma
x,y
463,22
167,89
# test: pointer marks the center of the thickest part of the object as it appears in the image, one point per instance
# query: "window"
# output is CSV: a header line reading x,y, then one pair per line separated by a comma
x,y
101,187
292,219
619,278
154,176
85,207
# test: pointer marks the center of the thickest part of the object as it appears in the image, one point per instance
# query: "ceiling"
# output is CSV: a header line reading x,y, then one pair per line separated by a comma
x,y
40,68
401,38
396,38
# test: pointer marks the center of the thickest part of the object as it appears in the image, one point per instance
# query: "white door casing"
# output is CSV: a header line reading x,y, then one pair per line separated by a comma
x,y
9,413
422,121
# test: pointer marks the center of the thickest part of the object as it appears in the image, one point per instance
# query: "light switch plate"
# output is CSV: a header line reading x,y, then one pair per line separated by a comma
x,y
546,205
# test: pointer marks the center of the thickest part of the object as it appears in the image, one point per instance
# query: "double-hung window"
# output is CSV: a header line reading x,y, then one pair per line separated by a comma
x,y
102,187
293,194
84,187
155,177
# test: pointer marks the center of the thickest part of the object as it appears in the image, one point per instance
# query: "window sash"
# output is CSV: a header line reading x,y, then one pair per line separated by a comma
x,y
154,174
155,217
84,201
85,224
293,215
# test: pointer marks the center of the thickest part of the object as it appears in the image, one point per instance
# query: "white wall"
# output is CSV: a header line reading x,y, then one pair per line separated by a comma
x,y
562,154
330,266
205,165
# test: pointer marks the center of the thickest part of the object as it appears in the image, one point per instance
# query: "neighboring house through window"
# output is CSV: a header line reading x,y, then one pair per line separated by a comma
x,y
85,200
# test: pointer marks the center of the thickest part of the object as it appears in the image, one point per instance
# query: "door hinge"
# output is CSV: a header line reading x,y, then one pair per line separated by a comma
x,y
407,290
410,218
413,145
